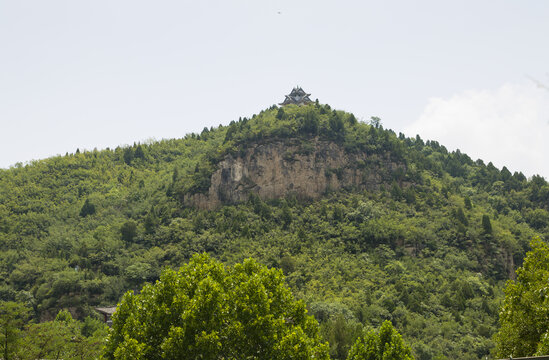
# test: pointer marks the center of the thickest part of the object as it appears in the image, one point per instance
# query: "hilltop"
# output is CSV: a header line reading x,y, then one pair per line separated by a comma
x,y
367,225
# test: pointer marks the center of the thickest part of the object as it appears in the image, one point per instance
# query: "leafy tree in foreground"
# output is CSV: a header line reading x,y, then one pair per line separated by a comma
x,y
12,318
386,344
523,317
209,311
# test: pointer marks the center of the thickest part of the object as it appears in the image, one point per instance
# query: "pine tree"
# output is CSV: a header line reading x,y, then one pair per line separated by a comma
x,y
128,231
486,224
139,153
467,203
280,115
460,215
128,155
87,209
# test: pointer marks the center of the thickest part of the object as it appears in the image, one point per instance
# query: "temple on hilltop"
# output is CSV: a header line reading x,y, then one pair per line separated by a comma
x,y
297,97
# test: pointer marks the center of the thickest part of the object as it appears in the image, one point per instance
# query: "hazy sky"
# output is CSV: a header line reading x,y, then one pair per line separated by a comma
x,y
83,74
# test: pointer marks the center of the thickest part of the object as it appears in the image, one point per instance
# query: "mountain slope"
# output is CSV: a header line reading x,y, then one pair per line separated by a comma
x,y
366,225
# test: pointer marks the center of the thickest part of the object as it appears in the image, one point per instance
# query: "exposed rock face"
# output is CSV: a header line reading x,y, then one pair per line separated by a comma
x,y
305,169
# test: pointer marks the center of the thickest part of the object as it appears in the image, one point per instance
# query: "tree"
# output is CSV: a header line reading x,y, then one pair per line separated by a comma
x,y
375,121
386,344
12,318
467,202
524,330
151,221
486,224
281,115
341,334
460,215
309,123
208,311
286,216
64,338
87,209
128,155
139,153
352,119
336,125
538,218
128,231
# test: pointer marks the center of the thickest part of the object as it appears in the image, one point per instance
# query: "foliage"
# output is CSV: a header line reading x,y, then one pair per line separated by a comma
x,y
386,344
87,209
61,338
12,318
206,310
341,333
412,249
128,231
524,328
486,224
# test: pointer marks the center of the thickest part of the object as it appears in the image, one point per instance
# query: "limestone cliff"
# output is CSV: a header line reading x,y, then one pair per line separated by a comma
x,y
306,169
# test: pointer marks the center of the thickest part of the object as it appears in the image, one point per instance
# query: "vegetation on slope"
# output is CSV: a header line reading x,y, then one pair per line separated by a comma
x,y
524,328
428,250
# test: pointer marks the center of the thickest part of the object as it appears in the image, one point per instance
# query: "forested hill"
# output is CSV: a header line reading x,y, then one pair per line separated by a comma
x,y
395,228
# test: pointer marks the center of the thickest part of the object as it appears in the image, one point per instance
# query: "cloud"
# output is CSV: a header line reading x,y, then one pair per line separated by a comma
x,y
508,126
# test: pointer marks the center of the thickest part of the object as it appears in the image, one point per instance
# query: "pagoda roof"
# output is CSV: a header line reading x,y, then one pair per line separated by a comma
x,y
106,310
298,96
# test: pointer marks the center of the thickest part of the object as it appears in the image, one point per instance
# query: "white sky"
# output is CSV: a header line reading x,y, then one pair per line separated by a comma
x,y
85,74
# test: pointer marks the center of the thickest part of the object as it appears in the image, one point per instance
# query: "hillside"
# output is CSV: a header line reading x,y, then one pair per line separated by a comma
x,y
367,225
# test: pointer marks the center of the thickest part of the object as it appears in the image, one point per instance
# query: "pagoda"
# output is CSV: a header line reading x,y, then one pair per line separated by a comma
x,y
297,97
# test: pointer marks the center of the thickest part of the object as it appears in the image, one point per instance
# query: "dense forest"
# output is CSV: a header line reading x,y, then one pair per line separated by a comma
x,y
429,248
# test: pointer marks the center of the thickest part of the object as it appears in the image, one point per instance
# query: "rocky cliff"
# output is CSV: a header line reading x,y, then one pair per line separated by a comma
x,y
306,169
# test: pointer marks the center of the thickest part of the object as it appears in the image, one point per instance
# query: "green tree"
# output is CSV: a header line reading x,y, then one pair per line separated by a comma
x,y
538,218
396,191
467,202
309,123
341,334
128,155
12,318
352,119
128,231
139,153
63,338
386,344
375,121
460,215
524,330
280,115
208,311
51,339
336,125
151,221
87,209
286,216
486,224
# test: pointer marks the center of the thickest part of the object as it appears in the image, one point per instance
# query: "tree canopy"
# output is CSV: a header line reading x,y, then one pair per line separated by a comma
x,y
12,319
385,344
62,338
524,327
209,311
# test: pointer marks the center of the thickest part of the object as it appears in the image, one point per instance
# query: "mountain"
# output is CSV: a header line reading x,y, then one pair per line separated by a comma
x,y
367,225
